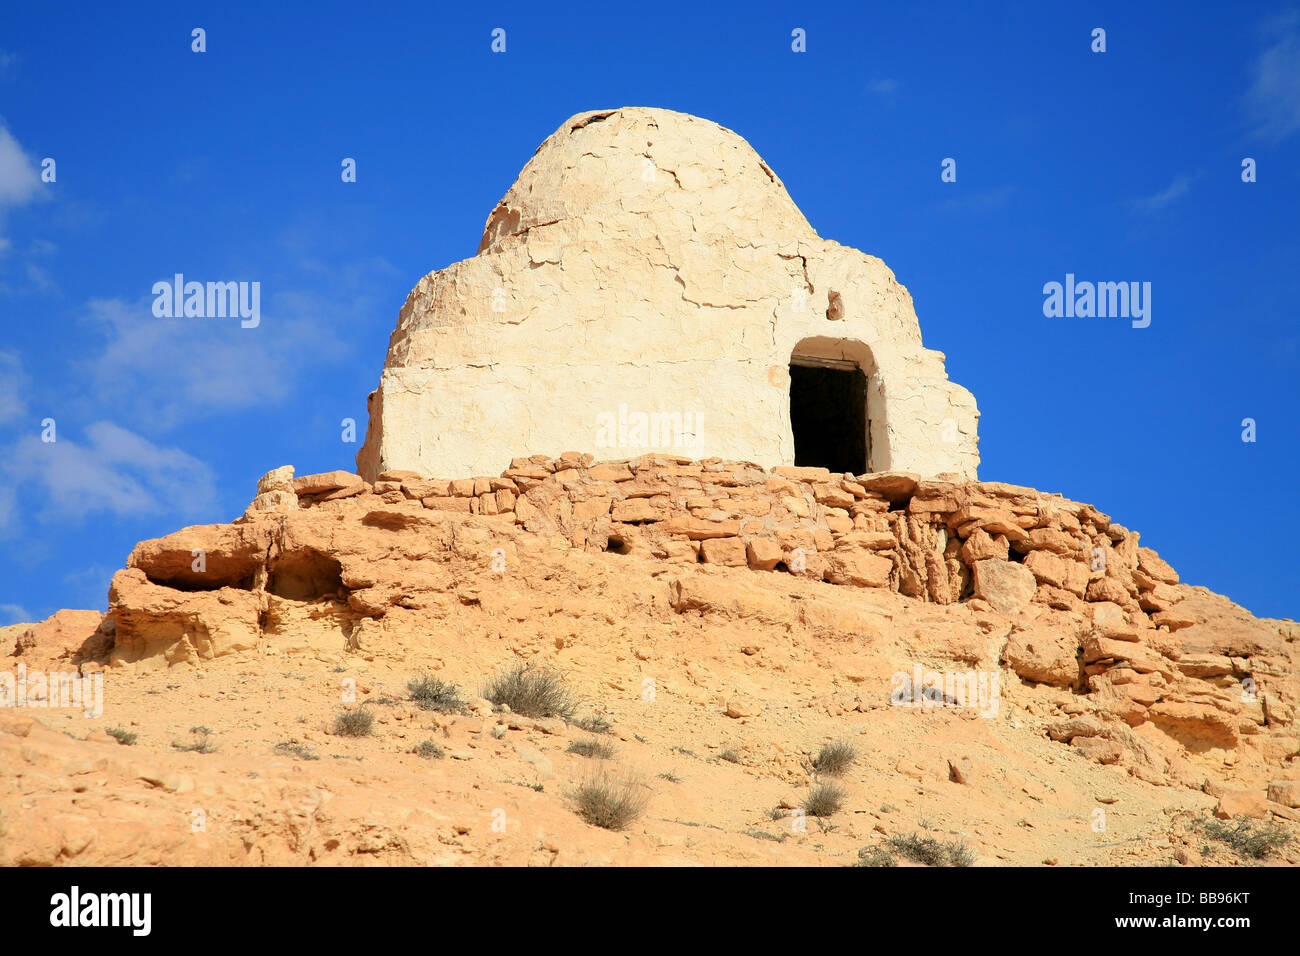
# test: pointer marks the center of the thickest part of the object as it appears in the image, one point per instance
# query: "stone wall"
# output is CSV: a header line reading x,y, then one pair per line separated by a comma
x,y
1069,597
940,541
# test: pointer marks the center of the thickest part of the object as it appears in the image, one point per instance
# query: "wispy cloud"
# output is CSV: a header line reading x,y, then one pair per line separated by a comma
x,y
8,508
13,614
20,183
984,201
1273,99
113,471
172,370
13,388
1175,190
884,89
19,180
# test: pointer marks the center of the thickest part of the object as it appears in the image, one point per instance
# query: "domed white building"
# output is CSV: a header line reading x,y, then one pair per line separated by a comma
x,y
647,284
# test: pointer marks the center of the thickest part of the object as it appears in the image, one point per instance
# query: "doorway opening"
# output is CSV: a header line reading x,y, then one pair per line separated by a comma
x,y
828,414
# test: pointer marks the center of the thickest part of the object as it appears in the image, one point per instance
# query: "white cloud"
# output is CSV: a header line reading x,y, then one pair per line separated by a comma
x,y
1274,95
173,370
984,201
39,278
19,180
114,471
7,502
13,388
13,614
884,90
1174,190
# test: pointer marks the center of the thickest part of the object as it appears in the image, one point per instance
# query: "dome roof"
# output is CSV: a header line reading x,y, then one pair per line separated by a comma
x,y
640,171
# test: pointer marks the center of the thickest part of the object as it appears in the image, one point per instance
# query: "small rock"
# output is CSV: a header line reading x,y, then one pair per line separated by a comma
x,y
550,725
1285,792
1242,803
737,708
961,770
535,758
1067,730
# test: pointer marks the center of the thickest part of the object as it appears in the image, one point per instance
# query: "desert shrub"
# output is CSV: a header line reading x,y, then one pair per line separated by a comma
x,y
354,723
592,748
931,852
875,856
201,744
605,801
531,692
430,693
823,800
286,749
834,758
959,854
595,724
124,737
730,756
919,849
429,750
1248,838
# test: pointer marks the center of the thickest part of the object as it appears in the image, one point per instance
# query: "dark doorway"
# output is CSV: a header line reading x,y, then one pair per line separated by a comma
x,y
828,413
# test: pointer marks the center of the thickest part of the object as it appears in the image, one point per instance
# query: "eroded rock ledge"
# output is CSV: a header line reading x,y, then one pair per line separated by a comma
x,y
1070,597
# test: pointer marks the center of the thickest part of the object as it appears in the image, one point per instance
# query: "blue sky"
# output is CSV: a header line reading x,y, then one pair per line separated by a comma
x,y
1115,166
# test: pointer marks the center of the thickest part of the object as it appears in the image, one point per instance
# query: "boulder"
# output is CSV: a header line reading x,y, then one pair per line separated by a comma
x,y
1044,654
861,569
1285,792
277,479
729,552
763,554
1242,803
1152,565
1007,586
326,482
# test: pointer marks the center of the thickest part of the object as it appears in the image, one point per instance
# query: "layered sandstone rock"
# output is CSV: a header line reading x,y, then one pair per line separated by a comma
x,y
753,599
1077,602
645,284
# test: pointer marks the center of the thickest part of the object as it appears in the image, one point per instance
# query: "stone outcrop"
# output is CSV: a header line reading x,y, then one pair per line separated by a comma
x,y
66,635
1080,604
645,285
754,599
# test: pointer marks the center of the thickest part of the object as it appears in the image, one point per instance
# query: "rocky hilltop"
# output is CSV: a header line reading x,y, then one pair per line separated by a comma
x,y
651,656
718,622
